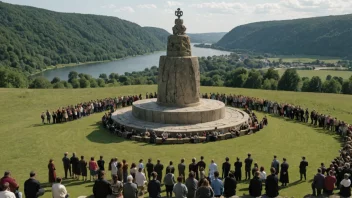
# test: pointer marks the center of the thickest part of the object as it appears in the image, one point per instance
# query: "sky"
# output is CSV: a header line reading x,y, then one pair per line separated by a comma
x,y
199,16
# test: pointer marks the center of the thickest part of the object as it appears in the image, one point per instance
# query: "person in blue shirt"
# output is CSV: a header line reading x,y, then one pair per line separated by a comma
x,y
217,185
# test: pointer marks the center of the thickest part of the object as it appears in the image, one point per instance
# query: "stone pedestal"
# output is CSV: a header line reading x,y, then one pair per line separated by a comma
x,y
178,81
178,45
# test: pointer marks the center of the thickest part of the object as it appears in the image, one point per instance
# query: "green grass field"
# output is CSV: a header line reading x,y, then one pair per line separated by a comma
x,y
306,59
28,145
321,73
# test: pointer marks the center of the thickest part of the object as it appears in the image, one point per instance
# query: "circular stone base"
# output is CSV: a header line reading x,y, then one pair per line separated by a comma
x,y
207,111
233,118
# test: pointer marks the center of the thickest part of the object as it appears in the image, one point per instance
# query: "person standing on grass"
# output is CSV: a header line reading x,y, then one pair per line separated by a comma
x,y
213,167
101,188
93,168
180,189
248,166
32,188
83,168
75,166
154,187
193,167
230,185
67,165
275,164
169,181
318,183
181,169
303,168
42,116
191,184
329,183
170,167
200,164
255,186
58,190
345,186
116,187
158,168
204,191
150,168
130,189
284,179
226,167
52,172
217,185
113,167
238,169
272,184
125,170
140,180
101,164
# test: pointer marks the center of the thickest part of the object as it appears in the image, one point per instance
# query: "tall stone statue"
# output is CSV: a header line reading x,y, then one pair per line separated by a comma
x,y
179,77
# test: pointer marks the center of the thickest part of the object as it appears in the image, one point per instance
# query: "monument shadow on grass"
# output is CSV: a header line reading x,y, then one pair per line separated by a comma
x,y
103,136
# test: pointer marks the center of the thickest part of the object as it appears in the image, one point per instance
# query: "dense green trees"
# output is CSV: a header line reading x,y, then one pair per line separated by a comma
x,y
289,81
326,36
10,78
331,86
32,39
40,83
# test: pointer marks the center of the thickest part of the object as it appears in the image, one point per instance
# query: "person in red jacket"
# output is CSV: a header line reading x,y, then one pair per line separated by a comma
x,y
329,183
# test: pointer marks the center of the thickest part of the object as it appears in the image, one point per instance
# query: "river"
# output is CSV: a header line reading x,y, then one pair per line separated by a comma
x,y
130,64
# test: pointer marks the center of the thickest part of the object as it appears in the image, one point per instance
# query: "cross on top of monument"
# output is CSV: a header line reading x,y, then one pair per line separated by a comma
x,y
179,13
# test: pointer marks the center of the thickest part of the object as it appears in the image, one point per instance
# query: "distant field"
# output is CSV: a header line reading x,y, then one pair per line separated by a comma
x,y
28,145
306,59
321,73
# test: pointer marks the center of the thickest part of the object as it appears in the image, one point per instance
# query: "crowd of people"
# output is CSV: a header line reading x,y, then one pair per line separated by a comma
x,y
337,175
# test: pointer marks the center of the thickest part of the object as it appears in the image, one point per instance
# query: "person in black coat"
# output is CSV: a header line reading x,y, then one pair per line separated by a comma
x,y
158,168
248,166
230,185
238,169
303,168
101,188
194,167
67,165
284,179
272,184
255,186
75,165
154,188
226,167
101,163
32,187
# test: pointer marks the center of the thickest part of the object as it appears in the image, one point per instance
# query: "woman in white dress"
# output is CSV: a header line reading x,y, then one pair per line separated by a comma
x,y
212,168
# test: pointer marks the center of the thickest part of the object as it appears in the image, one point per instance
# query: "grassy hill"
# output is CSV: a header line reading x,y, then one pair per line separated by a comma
x,y
325,36
211,37
32,39
29,145
159,33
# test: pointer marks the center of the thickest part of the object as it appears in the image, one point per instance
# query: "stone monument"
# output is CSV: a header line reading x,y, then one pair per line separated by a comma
x,y
178,107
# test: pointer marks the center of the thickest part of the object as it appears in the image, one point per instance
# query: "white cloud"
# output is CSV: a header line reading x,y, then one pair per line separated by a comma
x,y
110,6
169,11
125,9
173,3
147,6
225,7
268,8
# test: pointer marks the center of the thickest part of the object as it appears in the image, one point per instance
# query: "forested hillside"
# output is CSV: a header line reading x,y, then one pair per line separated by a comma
x,y
326,36
32,39
159,33
212,37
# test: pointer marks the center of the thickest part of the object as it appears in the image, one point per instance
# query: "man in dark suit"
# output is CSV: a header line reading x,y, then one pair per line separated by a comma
x,y
170,168
230,185
248,166
67,165
101,163
226,167
200,164
194,167
154,188
318,183
158,168
32,187
150,168
238,169
272,184
181,169
303,168
255,186
101,188
276,164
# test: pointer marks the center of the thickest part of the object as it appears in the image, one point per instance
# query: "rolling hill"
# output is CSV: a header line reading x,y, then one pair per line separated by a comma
x,y
32,39
325,36
159,33
212,37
